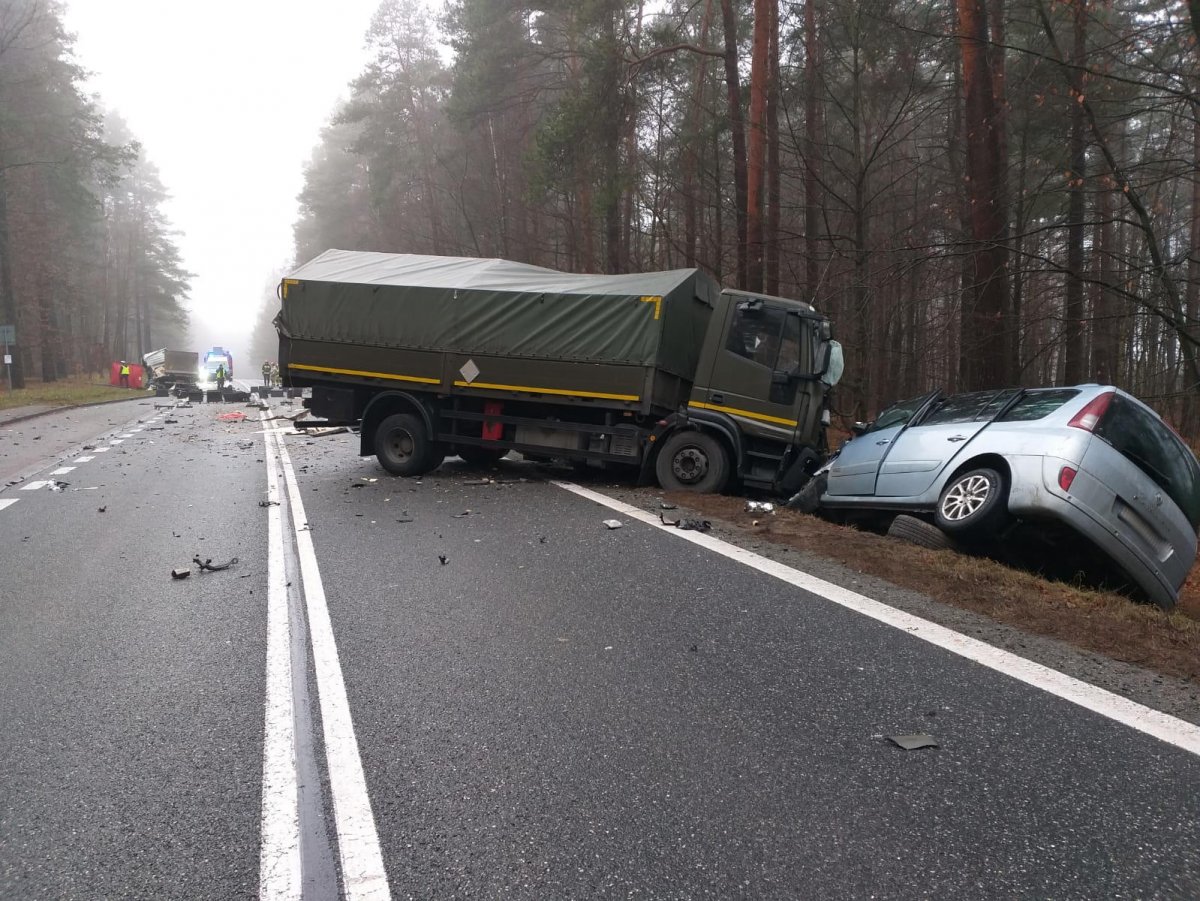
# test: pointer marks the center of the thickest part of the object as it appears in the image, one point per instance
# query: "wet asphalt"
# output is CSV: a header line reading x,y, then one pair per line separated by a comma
x,y
559,710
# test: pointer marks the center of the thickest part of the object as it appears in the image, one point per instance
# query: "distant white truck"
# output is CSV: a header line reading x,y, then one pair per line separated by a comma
x,y
172,369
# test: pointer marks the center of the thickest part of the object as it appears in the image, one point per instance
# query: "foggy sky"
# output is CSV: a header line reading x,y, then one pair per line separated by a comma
x,y
228,98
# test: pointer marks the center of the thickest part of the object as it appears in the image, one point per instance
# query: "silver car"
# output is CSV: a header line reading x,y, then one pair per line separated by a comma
x,y
1090,458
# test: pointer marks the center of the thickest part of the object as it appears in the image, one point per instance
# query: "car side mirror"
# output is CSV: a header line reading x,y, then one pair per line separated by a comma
x,y
860,428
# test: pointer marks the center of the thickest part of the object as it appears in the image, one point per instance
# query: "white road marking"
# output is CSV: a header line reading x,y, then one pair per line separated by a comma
x,y
101,450
363,873
127,436
8,502
1166,728
116,441
40,483
63,470
280,875
83,459
135,431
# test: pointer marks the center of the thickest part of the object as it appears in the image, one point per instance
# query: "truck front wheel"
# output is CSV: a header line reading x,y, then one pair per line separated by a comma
x,y
692,461
403,446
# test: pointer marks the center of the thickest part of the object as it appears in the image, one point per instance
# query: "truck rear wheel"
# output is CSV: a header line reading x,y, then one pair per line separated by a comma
x,y
403,446
692,461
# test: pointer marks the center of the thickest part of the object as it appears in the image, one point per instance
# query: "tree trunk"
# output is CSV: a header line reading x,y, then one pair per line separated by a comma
x,y
738,133
983,337
1073,344
771,234
756,154
812,132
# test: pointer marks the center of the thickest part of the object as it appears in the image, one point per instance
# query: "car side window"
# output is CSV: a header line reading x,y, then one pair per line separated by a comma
x,y
898,414
755,333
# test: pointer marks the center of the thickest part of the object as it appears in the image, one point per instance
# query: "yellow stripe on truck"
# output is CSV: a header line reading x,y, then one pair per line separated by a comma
x,y
749,414
560,391
373,375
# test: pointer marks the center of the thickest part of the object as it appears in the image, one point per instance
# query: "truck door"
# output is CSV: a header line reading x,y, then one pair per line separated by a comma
x,y
755,374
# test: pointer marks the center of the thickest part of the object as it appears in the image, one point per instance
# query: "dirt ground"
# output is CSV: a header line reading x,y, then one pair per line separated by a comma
x,y
1106,623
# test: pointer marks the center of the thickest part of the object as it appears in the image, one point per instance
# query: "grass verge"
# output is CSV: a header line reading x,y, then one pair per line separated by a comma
x,y
1102,622
63,393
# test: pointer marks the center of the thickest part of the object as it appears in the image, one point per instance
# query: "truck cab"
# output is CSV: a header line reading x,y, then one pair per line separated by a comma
x,y
761,385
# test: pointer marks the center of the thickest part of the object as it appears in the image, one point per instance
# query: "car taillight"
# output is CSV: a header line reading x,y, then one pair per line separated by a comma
x,y
1089,417
1066,476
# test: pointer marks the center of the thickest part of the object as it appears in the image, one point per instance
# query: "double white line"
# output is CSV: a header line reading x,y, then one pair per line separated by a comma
x,y
281,870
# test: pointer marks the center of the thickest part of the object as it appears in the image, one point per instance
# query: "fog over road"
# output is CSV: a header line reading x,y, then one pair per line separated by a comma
x,y
465,685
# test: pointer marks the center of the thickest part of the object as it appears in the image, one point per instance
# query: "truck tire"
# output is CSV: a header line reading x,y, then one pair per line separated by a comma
x,y
481,456
921,533
692,461
403,446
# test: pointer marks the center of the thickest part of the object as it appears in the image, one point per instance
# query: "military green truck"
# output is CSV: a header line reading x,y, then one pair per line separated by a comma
x,y
665,373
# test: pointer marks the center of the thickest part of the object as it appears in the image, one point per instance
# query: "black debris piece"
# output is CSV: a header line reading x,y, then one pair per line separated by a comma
x,y
668,506
404,520
268,503
101,509
687,525
180,572
208,565
443,559
913,742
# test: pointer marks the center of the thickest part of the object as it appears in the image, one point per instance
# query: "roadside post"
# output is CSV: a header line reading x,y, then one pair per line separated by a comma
x,y
8,336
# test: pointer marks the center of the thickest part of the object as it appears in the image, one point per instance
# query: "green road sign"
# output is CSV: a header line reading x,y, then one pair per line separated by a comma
x,y
8,334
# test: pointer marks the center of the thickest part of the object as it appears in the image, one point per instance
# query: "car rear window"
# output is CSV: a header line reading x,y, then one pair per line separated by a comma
x,y
1038,404
1146,442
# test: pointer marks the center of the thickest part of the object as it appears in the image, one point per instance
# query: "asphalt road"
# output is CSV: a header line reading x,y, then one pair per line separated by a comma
x,y
558,710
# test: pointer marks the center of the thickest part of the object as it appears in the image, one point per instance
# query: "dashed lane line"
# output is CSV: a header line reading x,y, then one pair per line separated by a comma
x,y
102,450
63,470
8,502
1160,725
83,459
35,485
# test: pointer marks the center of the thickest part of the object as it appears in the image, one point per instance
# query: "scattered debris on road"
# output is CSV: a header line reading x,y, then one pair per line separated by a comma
x,y
181,572
236,416
613,523
668,506
461,515
59,486
760,507
208,565
443,559
102,509
913,742
268,503
687,525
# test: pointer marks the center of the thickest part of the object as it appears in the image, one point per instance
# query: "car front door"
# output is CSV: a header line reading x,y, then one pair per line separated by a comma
x,y
928,446
854,471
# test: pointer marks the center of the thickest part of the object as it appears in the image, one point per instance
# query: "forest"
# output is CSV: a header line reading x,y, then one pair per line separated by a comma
x,y
980,192
89,269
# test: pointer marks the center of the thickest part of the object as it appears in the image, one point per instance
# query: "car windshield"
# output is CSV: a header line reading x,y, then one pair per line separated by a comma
x,y
898,414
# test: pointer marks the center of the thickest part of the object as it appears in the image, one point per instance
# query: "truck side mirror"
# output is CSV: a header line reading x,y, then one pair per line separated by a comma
x,y
860,428
834,363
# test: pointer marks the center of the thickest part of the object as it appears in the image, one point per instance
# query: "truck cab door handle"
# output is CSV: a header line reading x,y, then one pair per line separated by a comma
x,y
717,397
957,438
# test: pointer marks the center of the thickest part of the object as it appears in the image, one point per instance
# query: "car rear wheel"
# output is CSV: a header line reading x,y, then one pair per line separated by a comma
x,y
972,503
919,532
403,446
692,461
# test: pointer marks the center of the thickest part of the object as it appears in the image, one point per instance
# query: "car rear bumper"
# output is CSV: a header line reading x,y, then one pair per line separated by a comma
x,y
1035,493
